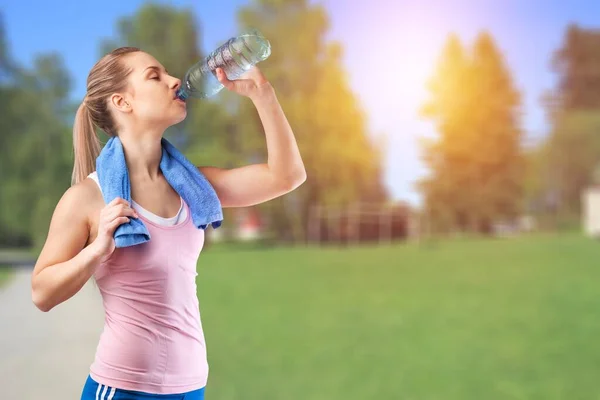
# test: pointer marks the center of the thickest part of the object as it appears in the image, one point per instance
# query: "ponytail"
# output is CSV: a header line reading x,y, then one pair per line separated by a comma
x,y
86,146
109,75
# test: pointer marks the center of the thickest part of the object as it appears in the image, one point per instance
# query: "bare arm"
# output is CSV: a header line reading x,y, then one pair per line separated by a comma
x,y
64,266
284,170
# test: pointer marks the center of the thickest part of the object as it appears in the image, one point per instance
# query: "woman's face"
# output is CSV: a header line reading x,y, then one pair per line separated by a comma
x,y
151,92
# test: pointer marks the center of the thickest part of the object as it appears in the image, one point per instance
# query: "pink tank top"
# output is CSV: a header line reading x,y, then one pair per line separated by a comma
x,y
153,340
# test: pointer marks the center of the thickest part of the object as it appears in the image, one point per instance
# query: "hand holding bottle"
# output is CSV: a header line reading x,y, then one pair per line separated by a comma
x,y
251,84
236,58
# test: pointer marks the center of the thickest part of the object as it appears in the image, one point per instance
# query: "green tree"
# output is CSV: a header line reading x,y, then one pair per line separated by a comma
x,y
35,146
476,161
572,149
573,154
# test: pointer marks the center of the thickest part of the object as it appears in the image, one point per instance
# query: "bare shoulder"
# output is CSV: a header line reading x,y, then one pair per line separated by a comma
x,y
88,197
69,230
82,199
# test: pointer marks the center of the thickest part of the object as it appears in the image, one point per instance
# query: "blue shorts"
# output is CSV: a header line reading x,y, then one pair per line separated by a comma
x,y
95,391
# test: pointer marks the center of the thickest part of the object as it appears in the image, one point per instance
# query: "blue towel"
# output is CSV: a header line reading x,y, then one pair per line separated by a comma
x,y
182,175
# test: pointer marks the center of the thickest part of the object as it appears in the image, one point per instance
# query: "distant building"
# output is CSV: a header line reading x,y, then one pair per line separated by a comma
x,y
249,225
244,224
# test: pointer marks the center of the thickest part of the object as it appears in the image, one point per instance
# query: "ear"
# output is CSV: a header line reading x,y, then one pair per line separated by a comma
x,y
120,103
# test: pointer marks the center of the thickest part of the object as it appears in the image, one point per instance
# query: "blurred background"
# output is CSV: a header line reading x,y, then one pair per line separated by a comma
x,y
444,245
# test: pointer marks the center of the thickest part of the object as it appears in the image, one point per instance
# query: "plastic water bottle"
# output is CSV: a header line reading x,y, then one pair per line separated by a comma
x,y
235,56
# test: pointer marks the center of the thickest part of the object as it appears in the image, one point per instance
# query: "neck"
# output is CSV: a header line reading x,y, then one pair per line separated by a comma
x,y
142,154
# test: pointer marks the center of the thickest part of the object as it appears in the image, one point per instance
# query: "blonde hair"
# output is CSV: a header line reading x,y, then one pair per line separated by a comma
x,y
106,77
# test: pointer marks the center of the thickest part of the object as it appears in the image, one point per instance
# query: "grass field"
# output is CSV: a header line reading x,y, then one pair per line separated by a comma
x,y
472,319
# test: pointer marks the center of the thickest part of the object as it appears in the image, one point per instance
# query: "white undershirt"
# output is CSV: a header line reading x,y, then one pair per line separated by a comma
x,y
178,218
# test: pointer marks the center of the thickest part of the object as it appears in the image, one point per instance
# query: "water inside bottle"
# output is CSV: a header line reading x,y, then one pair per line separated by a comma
x,y
236,56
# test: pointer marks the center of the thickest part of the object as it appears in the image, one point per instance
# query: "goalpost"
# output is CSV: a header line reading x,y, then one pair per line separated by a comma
x,y
347,225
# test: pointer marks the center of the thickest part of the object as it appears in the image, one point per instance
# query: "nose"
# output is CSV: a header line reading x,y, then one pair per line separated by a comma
x,y
176,84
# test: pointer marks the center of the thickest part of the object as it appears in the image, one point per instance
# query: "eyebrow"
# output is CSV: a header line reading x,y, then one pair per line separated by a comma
x,y
154,67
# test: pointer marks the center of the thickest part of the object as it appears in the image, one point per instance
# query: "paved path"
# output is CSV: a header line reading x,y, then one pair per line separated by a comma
x,y
46,356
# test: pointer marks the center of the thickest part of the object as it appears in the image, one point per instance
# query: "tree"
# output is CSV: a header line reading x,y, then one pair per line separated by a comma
x,y
577,63
35,159
475,162
343,165
573,156
572,149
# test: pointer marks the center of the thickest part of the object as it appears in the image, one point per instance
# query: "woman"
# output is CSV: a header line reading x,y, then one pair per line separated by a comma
x,y
152,345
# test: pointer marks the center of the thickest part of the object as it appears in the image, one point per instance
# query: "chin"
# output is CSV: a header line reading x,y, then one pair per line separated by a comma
x,y
179,118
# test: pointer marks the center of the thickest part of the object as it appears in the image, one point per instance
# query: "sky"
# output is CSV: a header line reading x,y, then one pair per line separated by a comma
x,y
390,51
